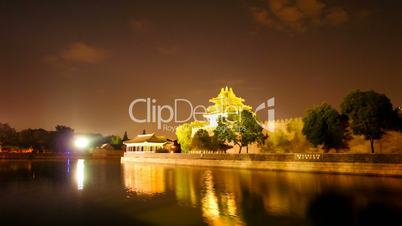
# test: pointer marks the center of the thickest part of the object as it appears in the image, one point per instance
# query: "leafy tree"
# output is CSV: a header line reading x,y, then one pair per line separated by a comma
x,y
371,114
322,126
278,141
397,119
116,141
201,140
37,139
249,131
222,135
184,133
62,138
25,138
8,135
42,140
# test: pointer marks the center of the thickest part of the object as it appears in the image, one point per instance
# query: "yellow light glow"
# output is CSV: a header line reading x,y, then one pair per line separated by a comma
x,y
81,142
144,179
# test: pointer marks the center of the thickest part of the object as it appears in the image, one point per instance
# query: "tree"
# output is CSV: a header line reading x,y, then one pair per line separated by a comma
x,y
184,133
249,131
322,126
42,140
399,119
125,136
8,135
62,138
201,140
222,135
116,142
371,114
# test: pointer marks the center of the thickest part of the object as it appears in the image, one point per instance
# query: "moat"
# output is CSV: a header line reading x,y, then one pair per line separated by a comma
x,y
107,192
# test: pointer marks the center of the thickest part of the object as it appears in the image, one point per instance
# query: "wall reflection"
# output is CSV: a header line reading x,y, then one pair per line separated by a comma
x,y
144,179
218,210
244,197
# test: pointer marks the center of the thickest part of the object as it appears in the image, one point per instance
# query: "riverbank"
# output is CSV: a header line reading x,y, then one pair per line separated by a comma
x,y
360,164
50,156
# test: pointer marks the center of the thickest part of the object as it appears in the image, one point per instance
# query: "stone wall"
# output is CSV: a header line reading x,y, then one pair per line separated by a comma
x,y
292,157
366,164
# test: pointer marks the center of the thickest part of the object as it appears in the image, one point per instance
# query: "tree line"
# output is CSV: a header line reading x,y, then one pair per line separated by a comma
x,y
365,113
240,133
40,140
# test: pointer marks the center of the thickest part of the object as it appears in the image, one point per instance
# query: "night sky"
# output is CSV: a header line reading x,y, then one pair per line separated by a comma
x,y
81,63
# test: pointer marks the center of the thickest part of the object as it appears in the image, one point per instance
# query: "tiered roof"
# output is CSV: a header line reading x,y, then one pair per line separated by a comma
x,y
227,102
149,138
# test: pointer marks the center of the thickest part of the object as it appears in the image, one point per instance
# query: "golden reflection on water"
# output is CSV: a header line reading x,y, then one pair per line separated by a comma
x,y
144,179
80,174
225,196
185,187
218,211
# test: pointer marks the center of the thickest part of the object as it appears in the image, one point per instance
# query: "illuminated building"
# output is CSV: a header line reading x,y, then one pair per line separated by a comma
x,y
227,106
145,143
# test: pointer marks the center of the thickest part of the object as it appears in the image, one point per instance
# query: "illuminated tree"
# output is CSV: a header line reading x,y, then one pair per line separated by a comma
x,y
184,133
322,126
249,131
201,140
371,114
115,141
223,134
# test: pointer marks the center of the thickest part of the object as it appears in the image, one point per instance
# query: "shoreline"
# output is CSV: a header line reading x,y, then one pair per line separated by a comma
x,y
355,164
42,156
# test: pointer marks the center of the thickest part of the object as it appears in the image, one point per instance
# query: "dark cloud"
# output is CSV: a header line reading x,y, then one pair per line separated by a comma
x,y
298,16
78,52
141,25
337,16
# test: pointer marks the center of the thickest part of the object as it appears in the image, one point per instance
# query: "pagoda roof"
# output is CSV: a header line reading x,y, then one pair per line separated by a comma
x,y
149,138
226,101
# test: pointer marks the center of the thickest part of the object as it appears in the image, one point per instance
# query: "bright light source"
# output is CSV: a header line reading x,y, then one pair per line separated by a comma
x,y
81,142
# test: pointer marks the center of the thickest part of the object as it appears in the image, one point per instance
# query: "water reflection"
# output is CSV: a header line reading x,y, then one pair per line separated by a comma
x,y
80,173
218,211
144,179
145,194
243,197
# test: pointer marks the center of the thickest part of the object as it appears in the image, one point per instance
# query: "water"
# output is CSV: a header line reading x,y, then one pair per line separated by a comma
x,y
105,192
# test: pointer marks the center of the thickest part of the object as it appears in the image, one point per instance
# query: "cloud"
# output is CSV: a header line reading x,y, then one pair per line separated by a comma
x,y
78,52
337,16
167,50
263,17
297,16
140,25
313,9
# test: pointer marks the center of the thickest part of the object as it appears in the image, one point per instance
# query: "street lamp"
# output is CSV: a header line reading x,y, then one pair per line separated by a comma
x,y
81,142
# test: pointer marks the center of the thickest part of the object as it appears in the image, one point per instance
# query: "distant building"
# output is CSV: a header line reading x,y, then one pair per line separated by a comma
x,y
227,106
146,143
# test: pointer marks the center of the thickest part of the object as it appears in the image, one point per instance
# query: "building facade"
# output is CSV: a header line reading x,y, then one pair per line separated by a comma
x,y
145,143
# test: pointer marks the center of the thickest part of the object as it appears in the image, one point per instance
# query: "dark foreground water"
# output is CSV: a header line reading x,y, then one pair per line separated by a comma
x,y
95,192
